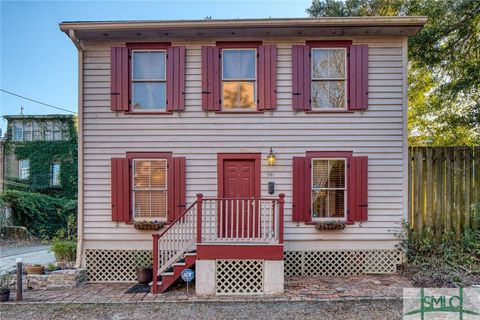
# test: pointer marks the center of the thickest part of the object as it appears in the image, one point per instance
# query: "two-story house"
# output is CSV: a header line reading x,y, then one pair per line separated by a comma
x,y
268,147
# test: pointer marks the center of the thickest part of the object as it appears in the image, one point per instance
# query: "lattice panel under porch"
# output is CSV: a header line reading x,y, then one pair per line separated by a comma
x,y
115,265
341,263
237,277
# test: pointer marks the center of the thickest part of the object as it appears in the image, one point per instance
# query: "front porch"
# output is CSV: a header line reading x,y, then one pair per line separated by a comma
x,y
235,244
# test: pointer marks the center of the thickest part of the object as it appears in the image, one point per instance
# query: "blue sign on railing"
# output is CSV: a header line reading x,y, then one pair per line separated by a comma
x,y
187,275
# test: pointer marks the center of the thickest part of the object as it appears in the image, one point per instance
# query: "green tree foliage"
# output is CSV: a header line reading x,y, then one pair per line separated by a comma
x,y
42,215
444,70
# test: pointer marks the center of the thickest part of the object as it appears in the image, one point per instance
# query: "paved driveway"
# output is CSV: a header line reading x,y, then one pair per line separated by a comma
x,y
32,254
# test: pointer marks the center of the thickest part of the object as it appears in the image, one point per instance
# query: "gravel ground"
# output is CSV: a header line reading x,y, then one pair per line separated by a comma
x,y
351,310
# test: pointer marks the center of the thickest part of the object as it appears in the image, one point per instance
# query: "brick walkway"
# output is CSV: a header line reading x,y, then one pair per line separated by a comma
x,y
296,289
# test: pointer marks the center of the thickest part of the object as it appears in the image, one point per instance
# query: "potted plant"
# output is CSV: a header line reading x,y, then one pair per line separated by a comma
x,y
4,287
144,269
65,251
148,225
35,269
330,225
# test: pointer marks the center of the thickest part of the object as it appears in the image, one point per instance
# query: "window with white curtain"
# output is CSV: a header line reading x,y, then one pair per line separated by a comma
x,y
239,79
55,174
329,188
149,80
149,189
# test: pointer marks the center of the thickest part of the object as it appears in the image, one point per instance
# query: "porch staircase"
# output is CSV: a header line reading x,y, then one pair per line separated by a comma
x,y
174,249
168,277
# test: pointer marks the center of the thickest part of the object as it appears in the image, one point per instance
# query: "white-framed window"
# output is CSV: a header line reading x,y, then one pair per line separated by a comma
x,y
27,131
37,131
23,169
57,131
149,189
48,131
149,80
329,188
55,174
239,79
17,131
329,78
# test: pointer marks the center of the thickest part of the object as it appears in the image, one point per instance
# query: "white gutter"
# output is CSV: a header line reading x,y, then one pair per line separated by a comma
x,y
80,220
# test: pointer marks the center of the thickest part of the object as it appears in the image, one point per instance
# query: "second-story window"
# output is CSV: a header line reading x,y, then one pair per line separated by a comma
x,y
329,80
55,174
148,80
239,79
23,169
17,131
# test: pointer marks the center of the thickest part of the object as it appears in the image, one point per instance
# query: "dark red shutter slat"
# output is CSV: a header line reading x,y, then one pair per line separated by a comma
x,y
120,186
211,79
358,77
176,78
301,86
177,188
267,77
119,78
357,189
301,190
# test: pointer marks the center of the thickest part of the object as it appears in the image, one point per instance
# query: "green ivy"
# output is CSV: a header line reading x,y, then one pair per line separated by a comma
x,y
42,215
41,155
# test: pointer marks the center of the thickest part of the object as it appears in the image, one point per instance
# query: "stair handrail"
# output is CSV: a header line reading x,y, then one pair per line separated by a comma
x,y
188,239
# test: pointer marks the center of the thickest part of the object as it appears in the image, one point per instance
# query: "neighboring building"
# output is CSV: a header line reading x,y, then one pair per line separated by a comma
x,y
41,154
242,112
1,162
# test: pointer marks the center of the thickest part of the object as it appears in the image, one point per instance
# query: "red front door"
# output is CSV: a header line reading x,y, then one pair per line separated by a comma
x,y
238,187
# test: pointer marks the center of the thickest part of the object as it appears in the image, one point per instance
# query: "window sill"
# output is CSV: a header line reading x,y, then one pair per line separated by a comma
x,y
239,112
312,223
329,111
148,112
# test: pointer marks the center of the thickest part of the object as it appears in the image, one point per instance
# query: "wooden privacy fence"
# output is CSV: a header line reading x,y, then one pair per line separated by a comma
x,y
444,187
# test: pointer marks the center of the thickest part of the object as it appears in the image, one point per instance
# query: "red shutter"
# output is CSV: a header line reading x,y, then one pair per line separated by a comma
x,y
120,186
358,77
176,188
211,79
176,78
357,188
301,190
119,79
267,77
301,82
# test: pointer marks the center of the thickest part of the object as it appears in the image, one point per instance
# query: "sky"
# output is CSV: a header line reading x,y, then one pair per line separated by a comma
x,y
40,62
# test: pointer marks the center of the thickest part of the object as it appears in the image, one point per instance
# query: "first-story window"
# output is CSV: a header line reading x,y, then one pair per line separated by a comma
x,y
239,79
24,169
55,174
329,78
149,189
149,80
329,188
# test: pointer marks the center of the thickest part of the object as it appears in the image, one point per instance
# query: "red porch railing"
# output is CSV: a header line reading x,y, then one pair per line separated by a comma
x,y
218,221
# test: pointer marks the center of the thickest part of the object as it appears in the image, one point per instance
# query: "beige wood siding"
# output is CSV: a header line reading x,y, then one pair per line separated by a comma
x,y
377,133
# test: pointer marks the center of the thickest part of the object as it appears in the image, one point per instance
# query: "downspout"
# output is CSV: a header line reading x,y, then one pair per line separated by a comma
x,y
80,217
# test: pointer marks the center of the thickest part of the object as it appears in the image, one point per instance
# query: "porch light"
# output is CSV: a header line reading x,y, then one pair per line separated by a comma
x,y
271,158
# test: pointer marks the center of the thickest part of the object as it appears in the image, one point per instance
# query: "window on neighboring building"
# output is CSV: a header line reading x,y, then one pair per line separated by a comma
x,y
239,78
329,78
27,131
57,131
55,174
149,80
17,131
149,189
37,131
48,131
24,169
329,188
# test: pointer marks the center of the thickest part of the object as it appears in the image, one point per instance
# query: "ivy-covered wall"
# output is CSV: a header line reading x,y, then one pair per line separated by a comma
x,y
41,155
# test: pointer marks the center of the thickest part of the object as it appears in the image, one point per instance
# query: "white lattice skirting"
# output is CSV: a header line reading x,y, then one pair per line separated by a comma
x,y
115,265
341,263
246,276
237,277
